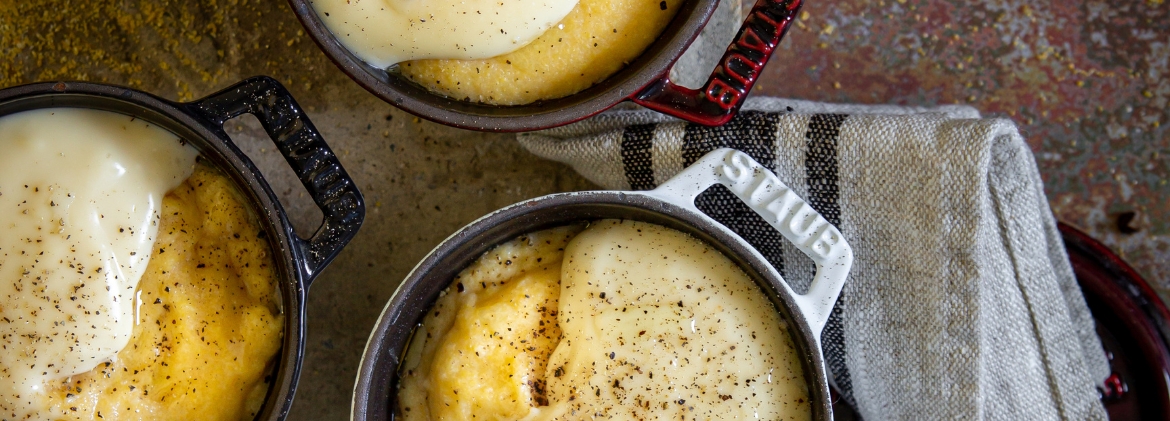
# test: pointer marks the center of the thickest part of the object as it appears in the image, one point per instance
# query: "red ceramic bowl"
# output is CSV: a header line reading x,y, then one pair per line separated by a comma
x,y
1134,326
643,81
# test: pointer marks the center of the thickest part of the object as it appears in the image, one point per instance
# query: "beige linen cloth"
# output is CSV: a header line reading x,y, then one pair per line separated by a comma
x,y
961,303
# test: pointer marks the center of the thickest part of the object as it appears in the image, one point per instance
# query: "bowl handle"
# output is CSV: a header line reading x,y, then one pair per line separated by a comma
x,y
311,159
732,80
798,222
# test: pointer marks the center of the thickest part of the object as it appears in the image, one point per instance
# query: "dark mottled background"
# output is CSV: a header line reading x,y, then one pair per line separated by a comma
x,y
1086,80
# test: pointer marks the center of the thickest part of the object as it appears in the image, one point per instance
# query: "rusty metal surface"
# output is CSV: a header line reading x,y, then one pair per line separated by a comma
x,y
1087,81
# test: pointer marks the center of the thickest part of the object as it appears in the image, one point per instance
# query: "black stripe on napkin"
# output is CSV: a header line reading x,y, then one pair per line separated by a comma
x,y
636,142
754,133
821,164
823,193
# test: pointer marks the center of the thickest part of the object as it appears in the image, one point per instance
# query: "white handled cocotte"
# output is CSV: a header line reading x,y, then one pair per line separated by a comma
x,y
783,209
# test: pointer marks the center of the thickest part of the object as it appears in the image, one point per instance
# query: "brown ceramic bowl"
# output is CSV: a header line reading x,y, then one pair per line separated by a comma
x,y
643,81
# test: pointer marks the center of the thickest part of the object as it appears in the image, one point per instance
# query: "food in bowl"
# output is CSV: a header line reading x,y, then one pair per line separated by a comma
x,y
620,319
593,41
139,285
386,32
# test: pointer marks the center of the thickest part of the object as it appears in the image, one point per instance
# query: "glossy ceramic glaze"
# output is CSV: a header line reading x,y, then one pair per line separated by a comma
x,y
1134,326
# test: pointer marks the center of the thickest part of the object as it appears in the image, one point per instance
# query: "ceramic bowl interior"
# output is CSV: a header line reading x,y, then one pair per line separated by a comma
x,y
375,395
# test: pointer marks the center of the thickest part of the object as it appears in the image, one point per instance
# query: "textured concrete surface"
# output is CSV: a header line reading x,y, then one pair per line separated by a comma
x,y
1085,79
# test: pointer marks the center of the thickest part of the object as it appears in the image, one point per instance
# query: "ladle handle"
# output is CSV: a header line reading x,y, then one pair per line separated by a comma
x,y
311,159
729,84
798,222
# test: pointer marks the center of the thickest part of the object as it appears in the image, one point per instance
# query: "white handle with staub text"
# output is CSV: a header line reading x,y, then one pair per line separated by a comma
x,y
798,222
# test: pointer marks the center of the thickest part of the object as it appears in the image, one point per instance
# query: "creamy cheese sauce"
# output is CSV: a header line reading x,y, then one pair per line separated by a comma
x,y
80,193
654,324
660,325
385,32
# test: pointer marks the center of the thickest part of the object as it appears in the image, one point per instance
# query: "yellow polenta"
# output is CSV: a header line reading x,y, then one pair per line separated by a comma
x,y
594,41
209,324
483,350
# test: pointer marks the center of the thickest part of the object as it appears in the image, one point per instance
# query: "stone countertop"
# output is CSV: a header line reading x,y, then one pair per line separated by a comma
x,y
1086,80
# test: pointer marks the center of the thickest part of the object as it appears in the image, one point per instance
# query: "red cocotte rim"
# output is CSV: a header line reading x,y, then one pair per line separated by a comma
x,y
1134,326
644,81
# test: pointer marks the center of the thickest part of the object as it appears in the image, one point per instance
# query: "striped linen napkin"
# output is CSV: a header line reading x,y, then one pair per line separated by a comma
x,y
961,303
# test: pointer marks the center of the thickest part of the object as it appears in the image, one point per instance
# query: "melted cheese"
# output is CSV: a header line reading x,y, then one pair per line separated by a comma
x,y
385,32
659,325
80,193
